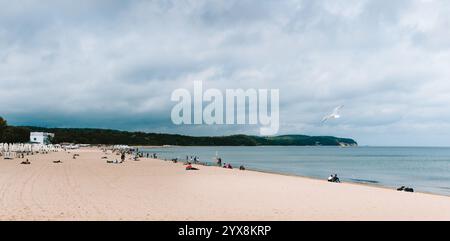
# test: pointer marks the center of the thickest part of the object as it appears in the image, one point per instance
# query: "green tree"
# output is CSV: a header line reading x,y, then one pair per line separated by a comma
x,y
3,123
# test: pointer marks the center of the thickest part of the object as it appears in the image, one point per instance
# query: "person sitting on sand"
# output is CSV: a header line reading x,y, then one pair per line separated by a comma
x,y
334,178
401,188
27,162
228,166
190,167
408,189
330,178
242,168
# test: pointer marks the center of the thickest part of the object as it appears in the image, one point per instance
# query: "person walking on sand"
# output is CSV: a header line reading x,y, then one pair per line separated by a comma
x,y
219,162
122,157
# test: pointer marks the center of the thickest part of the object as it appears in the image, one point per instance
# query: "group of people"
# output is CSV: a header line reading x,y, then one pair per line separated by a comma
x,y
194,159
227,165
405,189
153,155
122,159
334,178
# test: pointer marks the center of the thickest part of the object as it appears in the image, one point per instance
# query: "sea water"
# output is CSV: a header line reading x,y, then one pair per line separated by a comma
x,y
426,169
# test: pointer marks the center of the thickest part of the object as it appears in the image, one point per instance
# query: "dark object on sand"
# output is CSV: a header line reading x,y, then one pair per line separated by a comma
x,y
228,166
191,168
58,161
104,157
27,162
334,178
242,168
408,189
114,162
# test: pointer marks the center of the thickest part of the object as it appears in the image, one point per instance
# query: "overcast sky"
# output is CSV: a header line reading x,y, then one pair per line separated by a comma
x,y
114,64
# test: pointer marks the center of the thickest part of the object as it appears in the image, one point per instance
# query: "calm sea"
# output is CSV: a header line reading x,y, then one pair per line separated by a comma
x,y
426,169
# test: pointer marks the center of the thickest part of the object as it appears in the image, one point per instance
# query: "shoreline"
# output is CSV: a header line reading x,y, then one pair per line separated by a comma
x,y
212,164
342,182
371,185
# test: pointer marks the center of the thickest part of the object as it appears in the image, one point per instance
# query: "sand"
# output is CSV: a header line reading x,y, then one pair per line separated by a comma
x,y
90,189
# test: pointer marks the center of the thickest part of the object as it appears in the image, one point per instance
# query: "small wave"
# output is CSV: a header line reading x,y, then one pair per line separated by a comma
x,y
364,180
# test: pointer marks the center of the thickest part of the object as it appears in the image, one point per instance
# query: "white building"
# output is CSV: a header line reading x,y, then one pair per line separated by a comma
x,y
41,137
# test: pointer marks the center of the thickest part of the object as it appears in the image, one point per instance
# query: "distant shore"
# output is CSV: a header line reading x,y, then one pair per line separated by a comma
x,y
88,188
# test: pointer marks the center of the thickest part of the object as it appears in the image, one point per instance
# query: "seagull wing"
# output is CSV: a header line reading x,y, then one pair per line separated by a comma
x,y
337,109
326,118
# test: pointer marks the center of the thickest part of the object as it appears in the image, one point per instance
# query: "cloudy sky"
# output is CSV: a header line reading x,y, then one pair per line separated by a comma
x,y
114,64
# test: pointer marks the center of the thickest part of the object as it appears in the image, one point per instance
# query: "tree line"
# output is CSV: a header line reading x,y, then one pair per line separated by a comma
x,y
11,134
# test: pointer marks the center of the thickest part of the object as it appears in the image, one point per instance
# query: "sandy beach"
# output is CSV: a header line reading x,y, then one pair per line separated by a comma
x,y
87,188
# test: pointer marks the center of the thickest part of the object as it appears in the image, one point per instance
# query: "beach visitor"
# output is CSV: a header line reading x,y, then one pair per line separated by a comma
x,y
228,166
336,178
330,178
190,167
27,162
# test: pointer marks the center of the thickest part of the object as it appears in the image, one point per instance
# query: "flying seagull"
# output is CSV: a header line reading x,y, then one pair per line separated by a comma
x,y
334,115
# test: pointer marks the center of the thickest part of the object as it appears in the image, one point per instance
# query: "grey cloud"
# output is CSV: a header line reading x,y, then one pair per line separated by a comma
x,y
114,64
